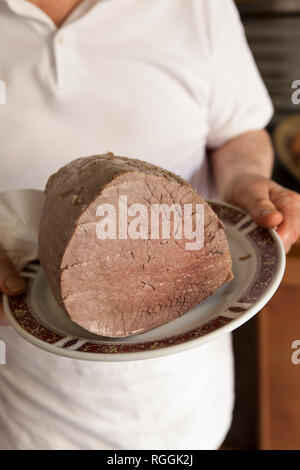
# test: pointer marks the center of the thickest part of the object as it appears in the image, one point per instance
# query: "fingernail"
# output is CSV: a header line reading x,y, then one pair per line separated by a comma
x,y
14,283
266,212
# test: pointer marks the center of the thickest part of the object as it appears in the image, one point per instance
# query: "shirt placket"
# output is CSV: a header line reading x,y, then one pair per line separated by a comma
x,y
68,69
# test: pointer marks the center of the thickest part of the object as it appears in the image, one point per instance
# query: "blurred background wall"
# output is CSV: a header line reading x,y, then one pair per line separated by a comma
x,y
267,410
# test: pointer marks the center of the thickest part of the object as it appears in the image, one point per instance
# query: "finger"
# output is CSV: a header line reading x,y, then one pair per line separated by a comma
x,y
3,320
265,215
288,203
11,283
254,197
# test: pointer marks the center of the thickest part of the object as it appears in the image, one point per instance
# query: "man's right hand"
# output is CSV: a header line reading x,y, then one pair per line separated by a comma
x,y
11,283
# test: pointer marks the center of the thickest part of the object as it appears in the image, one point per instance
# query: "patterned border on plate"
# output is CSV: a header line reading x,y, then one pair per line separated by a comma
x,y
266,250
228,214
19,308
26,320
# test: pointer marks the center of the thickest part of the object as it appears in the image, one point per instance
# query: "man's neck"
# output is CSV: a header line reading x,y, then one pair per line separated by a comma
x,y
57,10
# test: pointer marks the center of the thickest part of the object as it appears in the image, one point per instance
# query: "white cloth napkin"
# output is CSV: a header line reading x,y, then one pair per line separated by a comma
x,y
20,213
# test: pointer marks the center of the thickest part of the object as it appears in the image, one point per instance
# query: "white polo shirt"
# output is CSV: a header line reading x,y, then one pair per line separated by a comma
x,y
153,79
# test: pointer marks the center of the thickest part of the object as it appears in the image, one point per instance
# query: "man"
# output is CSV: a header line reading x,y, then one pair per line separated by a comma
x,y
159,80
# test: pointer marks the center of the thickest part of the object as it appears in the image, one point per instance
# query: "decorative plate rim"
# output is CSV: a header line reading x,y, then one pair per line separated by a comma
x,y
263,287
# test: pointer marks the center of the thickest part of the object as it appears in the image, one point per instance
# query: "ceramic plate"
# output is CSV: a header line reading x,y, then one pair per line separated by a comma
x,y
258,266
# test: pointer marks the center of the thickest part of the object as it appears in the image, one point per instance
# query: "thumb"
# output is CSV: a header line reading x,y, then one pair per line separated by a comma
x,y
11,283
253,196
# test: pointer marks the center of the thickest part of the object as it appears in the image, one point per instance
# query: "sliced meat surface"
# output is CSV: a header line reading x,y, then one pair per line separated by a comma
x,y
119,287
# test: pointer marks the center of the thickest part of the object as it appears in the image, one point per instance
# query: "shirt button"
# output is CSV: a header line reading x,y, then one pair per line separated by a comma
x,y
61,40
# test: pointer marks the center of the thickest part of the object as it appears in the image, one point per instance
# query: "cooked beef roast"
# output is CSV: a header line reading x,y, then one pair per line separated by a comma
x,y
119,287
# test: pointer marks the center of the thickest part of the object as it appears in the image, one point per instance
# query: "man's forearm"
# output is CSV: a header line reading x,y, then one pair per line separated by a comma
x,y
250,153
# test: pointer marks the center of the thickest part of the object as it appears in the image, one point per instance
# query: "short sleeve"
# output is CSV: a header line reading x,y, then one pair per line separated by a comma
x,y
239,99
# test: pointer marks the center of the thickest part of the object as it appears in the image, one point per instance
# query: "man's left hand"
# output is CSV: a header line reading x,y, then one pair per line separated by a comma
x,y
268,203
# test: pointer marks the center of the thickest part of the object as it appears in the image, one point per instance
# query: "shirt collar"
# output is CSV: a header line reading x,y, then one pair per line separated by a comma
x,y
28,9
